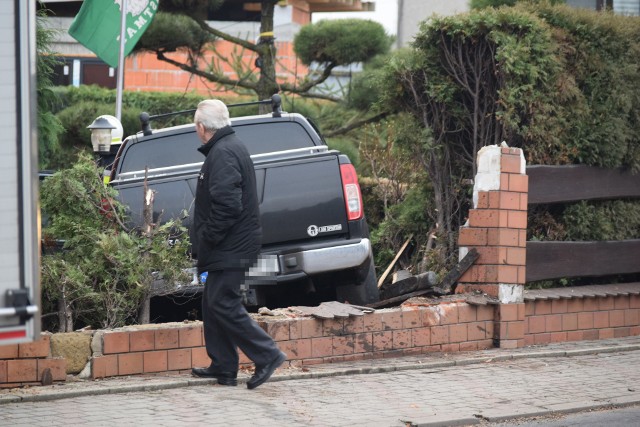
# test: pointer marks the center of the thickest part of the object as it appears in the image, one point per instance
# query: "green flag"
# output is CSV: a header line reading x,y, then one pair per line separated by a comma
x,y
97,26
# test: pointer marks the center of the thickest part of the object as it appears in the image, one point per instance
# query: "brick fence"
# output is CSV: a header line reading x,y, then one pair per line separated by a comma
x,y
512,318
497,229
22,364
443,327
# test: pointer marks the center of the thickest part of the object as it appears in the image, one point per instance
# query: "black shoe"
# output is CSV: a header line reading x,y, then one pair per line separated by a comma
x,y
224,378
263,373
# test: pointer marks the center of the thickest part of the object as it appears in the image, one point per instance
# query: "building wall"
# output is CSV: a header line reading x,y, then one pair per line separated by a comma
x,y
627,7
620,7
585,4
412,12
144,72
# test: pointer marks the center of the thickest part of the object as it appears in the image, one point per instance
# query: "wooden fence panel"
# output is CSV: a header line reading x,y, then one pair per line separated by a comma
x,y
554,260
552,184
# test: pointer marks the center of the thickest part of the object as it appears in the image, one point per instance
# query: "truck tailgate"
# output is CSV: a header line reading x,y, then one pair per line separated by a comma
x,y
301,198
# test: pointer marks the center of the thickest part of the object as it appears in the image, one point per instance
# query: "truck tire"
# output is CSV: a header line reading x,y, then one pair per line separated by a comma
x,y
363,293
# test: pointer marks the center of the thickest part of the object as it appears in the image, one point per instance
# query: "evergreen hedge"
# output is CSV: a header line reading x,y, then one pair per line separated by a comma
x,y
562,83
77,107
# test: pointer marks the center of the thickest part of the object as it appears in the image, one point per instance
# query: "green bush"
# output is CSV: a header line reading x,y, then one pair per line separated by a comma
x,y
77,117
599,96
77,107
396,195
363,90
171,31
604,220
49,127
150,102
600,53
345,146
561,83
341,42
104,273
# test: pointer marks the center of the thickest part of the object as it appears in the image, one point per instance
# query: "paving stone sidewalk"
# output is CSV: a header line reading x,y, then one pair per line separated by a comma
x,y
435,389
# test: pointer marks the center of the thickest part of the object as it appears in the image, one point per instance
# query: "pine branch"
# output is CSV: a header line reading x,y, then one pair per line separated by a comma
x,y
228,37
309,84
315,96
209,76
356,124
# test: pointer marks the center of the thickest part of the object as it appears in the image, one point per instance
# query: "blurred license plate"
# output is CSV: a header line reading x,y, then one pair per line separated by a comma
x,y
266,265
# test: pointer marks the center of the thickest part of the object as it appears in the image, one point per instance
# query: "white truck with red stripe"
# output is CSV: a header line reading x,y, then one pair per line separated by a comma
x,y
19,252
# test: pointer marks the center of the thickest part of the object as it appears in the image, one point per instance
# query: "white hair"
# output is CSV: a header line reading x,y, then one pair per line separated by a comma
x,y
212,114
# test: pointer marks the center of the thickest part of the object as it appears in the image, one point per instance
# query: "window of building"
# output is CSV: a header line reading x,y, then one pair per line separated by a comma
x,y
84,71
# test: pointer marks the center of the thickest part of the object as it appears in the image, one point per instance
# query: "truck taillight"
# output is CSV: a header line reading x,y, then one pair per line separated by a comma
x,y
351,188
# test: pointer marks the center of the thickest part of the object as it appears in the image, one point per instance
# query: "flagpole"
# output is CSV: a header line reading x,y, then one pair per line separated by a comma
x,y
120,82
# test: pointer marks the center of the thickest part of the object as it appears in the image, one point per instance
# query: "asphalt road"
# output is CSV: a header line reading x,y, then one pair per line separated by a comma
x,y
617,417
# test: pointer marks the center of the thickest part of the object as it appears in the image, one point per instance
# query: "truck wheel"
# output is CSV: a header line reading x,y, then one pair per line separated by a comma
x,y
362,293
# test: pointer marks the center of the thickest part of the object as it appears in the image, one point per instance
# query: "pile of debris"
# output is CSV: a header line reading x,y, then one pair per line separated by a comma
x,y
405,285
403,289
326,310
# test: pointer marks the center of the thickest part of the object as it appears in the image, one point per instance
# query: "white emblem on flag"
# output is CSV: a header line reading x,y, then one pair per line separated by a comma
x,y
134,7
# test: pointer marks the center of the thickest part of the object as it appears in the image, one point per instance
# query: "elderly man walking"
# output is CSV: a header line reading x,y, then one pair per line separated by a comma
x,y
226,239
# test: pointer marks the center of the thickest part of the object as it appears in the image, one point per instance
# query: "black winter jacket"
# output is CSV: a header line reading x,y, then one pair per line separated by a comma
x,y
226,230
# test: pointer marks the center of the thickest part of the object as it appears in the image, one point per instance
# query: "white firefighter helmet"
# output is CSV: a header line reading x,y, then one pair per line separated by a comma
x,y
117,133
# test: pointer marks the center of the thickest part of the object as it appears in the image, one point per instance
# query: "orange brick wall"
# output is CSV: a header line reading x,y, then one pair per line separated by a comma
x,y
24,364
444,327
576,319
144,351
510,321
385,333
144,72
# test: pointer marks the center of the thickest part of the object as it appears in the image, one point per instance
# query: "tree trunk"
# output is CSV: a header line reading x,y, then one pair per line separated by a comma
x,y
65,315
148,228
266,61
144,313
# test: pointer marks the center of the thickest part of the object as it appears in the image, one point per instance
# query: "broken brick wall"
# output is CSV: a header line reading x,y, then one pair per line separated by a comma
x,y
162,348
497,229
385,333
442,327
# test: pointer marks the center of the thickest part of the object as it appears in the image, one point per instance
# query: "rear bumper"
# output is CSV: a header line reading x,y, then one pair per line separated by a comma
x,y
318,259
333,258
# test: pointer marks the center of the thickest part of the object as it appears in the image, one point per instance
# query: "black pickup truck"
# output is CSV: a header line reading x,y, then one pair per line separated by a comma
x,y
315,235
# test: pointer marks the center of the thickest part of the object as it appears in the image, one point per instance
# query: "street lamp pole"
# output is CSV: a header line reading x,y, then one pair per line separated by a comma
x,y
120,83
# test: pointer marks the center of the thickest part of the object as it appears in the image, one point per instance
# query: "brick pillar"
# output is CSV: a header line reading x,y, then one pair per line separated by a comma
x,y
497,229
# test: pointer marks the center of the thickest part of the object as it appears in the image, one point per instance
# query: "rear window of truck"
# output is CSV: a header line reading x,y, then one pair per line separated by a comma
x,y
171,150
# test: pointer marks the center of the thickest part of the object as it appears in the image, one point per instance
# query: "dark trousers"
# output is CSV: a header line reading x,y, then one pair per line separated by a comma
x,y
227,324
